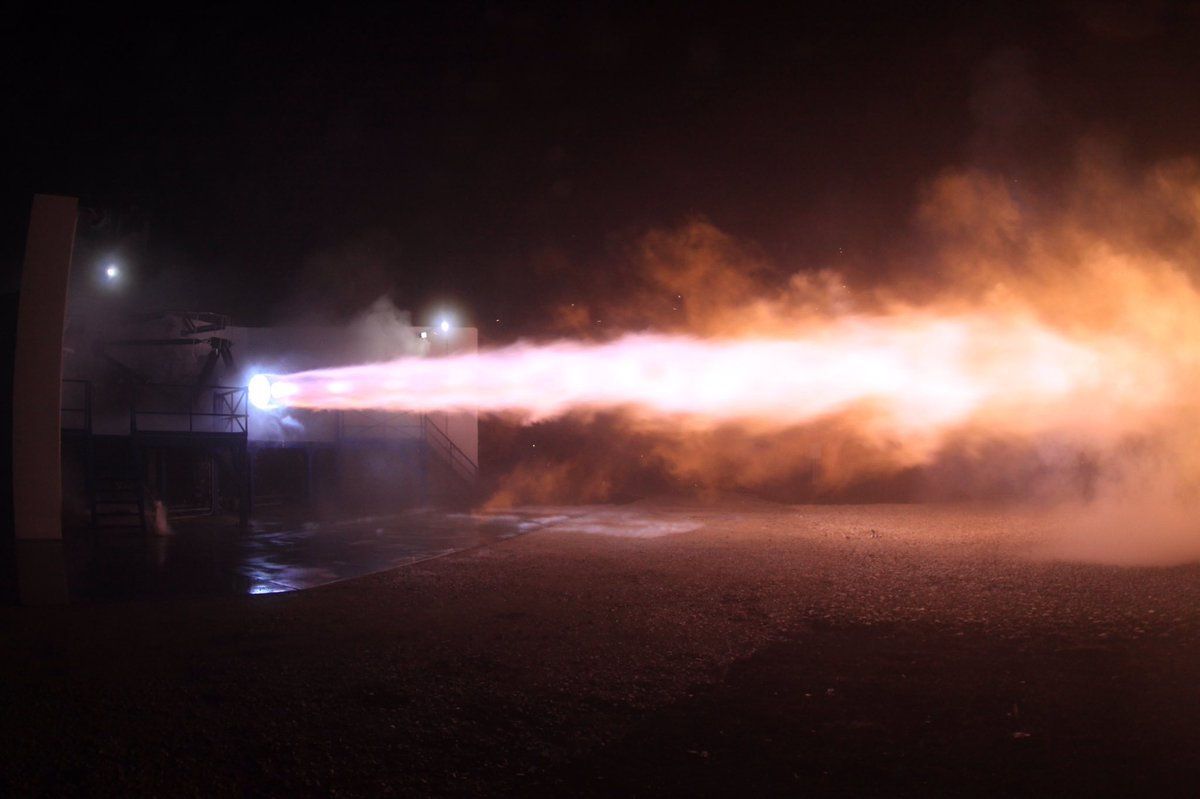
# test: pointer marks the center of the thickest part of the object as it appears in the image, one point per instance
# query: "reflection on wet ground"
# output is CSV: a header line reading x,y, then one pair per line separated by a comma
x,y
214,558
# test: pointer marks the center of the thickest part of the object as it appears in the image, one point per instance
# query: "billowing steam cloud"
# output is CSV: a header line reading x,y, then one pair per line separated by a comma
x,y
1039,343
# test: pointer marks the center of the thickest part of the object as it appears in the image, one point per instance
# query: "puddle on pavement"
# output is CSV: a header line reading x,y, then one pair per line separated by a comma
x,y
209,558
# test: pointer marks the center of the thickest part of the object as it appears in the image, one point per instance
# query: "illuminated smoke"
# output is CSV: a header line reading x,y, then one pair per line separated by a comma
x,y
1019,343
1066,323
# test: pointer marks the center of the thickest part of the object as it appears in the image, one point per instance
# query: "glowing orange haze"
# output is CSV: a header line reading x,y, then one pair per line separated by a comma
x,y
1042,342
909,374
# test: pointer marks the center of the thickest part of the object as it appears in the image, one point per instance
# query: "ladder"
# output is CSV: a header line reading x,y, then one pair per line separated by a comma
x,y
118,496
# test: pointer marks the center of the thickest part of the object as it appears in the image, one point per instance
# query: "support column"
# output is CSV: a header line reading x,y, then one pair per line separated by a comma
x,y
246,495
308,477
37,400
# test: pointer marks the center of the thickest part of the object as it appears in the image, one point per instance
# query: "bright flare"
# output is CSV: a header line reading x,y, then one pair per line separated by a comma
x,y
259,390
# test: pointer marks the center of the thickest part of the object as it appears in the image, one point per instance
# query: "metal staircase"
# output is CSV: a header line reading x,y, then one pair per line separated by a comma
x,y
117,486
444,447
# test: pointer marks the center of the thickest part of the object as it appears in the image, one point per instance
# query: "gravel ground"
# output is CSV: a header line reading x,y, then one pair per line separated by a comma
x,y
652,649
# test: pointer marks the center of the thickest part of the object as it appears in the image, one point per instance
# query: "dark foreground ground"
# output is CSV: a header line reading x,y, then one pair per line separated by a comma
x,y
754,650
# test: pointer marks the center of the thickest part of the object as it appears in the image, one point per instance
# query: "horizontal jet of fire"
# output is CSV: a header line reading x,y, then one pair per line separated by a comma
x,y
910,372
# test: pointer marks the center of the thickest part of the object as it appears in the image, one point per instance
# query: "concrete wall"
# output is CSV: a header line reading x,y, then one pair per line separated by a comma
x,y
37,373
37,384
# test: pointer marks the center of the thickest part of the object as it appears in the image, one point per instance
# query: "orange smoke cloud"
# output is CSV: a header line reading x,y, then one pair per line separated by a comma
x,y
1044,341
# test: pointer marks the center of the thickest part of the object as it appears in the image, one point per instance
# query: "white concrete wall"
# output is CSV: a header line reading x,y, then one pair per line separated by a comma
x,y
38,369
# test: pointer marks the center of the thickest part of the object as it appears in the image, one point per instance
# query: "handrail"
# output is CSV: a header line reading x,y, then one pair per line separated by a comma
x,y
458,459
192,386
228,403
430,432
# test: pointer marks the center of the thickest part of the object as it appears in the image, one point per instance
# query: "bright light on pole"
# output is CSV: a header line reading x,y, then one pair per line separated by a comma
x,y
112,272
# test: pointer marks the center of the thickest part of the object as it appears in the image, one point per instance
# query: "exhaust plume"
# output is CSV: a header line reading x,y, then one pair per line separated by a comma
x,y
1026,342
908,375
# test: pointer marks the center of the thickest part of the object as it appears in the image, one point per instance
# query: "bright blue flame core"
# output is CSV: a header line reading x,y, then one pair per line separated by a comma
x,y
259,391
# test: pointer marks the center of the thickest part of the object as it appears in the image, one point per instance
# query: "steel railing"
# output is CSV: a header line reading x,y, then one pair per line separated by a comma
x,y
409,426
177,408
441,441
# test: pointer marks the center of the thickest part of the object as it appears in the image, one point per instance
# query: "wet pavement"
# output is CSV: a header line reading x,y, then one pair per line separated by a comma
x,y
652,649
212,557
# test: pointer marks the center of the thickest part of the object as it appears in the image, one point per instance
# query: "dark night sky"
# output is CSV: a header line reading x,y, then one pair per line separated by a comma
x,y
452,152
